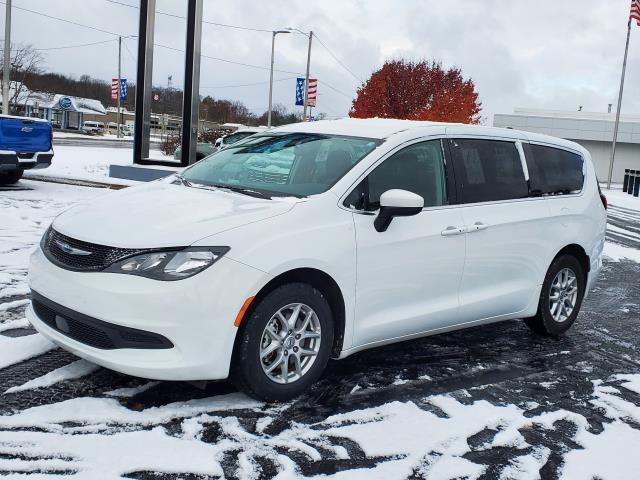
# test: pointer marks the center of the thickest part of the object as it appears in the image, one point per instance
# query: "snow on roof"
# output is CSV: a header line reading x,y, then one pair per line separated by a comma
x,y
357,127
59,102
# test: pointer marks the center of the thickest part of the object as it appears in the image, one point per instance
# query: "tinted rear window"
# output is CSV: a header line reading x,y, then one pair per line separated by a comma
x,y
488,170
552,170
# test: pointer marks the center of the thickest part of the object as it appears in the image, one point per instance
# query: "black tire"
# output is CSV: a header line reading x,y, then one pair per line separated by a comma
x,y
246,370
543,322
7,178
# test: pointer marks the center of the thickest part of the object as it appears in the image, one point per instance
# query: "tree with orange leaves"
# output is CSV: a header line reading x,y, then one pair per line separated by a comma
x,y
418,91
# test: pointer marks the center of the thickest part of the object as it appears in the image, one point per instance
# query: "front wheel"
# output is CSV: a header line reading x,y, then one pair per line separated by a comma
x,y
284,344
561,297
7,178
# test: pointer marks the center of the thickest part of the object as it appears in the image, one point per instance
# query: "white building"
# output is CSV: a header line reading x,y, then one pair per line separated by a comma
x,y
594,131
63,111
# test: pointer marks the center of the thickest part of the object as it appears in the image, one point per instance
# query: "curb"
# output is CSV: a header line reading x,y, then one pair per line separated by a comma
x,y
73,181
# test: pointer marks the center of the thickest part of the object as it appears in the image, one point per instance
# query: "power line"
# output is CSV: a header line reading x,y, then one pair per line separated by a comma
x,y
338,60
335,89
76,46
64,20
233,62
260,67
173,15
126,47
248,84
224,60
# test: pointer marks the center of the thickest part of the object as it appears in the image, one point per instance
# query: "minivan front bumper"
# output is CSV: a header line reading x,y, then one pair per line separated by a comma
x,y
195,315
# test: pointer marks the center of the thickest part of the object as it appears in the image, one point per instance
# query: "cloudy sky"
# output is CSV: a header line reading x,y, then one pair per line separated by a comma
x,y
543,54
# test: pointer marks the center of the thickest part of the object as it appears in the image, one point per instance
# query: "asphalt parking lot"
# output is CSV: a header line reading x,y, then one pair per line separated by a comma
x,y
490,402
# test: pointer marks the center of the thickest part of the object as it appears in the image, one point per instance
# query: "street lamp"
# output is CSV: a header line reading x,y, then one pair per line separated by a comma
x,y
273,46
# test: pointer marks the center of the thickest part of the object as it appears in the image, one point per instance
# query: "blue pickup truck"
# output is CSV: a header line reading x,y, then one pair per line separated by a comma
x,y
25,143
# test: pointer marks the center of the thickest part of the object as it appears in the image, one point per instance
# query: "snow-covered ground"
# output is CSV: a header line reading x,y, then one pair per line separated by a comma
x,y
495,402
90,163
24,216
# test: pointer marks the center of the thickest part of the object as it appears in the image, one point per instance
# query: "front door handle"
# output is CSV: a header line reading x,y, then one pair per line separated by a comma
x,y
476,227
449,231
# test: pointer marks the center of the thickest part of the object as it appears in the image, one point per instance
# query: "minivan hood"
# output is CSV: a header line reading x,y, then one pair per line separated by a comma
x,y
160,214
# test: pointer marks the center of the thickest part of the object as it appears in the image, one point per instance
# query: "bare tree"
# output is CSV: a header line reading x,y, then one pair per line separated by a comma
x,y
26,62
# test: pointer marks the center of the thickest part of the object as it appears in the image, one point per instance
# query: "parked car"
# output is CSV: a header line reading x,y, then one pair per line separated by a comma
x,y
112,128
203,149
319,240
92,128
236,136
25,143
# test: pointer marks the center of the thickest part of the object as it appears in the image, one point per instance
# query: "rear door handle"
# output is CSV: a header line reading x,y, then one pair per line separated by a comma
x,y
450,231
476,227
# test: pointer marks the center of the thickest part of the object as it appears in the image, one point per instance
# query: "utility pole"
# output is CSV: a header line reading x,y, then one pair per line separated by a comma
x,y
306,80
119,84
615,128
7,59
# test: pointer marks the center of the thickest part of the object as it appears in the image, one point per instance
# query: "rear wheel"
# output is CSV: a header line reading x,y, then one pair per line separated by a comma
x,y
560,298
7,178
285,343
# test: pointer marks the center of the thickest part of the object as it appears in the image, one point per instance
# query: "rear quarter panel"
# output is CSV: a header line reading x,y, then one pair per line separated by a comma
x,y
579,219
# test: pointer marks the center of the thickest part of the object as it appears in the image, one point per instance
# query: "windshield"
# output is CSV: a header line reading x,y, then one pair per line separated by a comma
x,y
297,164
234,137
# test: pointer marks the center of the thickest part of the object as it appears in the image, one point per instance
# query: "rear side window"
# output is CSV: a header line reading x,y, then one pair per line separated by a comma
x,y
488,170
552,170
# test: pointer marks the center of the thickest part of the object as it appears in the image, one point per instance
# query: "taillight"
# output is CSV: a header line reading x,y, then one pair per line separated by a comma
x,y
605,203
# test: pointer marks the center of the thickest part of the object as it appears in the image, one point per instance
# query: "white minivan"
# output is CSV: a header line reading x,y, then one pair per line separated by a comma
x,y
317,240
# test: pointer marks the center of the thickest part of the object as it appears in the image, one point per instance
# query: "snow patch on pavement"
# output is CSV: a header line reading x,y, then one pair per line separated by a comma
x,y
74,370
616,252
16,350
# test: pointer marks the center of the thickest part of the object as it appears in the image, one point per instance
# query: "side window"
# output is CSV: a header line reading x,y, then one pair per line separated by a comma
x,y
552,170
418,169
488,170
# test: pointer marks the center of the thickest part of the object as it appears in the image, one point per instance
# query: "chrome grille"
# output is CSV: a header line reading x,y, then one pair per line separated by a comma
x,y
72,254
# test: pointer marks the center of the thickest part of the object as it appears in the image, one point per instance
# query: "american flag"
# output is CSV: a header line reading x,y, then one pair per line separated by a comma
x,y
114,88
313,89
635,11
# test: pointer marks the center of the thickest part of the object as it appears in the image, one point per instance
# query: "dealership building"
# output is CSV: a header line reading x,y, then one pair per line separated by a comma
x,y
63,111
594,131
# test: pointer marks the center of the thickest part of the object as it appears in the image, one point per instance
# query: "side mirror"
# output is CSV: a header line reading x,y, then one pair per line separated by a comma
x,y
397,203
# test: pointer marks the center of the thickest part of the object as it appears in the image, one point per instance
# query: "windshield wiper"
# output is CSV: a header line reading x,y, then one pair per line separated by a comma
x,y
231,188
183,180
243,190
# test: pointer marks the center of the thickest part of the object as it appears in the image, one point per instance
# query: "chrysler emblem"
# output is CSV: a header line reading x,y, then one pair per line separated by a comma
x,y
65,247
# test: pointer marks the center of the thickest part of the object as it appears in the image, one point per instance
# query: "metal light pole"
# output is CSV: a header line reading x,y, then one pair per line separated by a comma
x,y
119,84
273,47
617,123
7,59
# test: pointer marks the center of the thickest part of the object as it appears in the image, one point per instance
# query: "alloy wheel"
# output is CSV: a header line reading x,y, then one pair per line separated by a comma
x,y
563,295
290,343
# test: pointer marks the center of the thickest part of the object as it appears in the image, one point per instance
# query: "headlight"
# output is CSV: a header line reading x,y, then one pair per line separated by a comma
x,y
169,265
